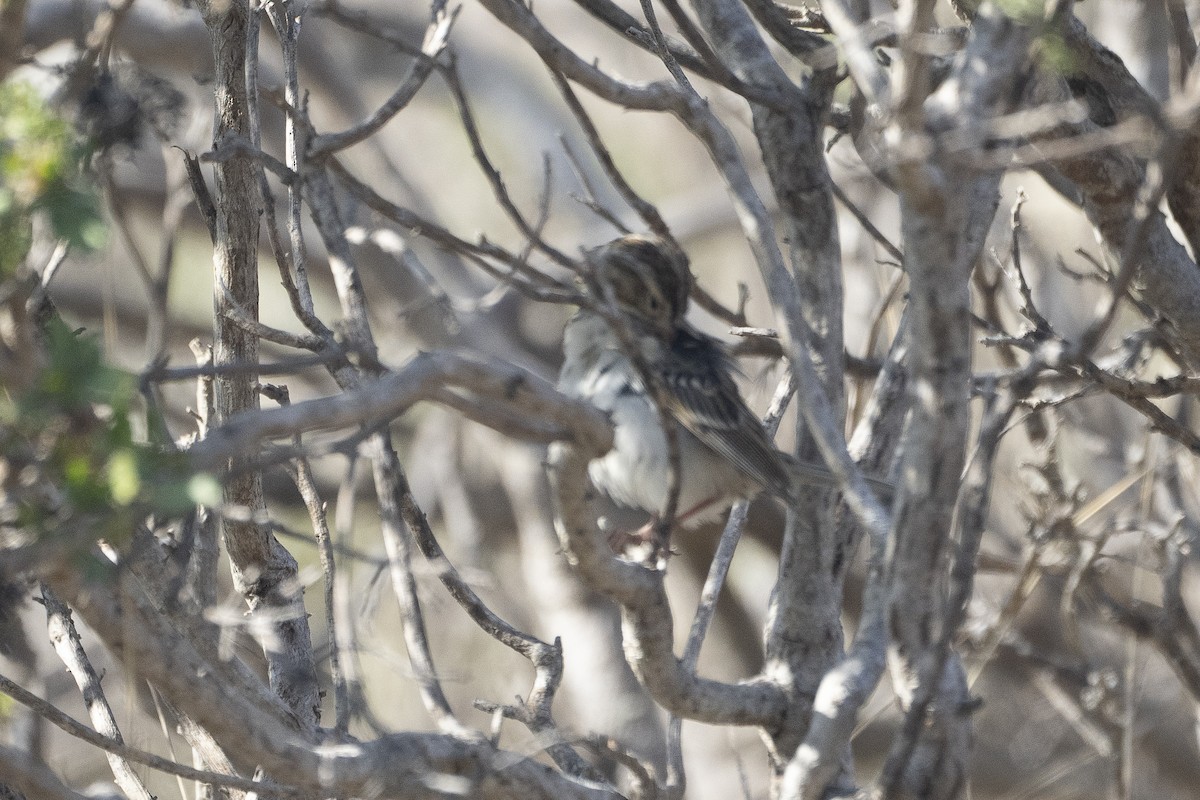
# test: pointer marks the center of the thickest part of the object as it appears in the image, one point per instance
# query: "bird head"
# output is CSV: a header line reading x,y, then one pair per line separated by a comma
x,y
647,278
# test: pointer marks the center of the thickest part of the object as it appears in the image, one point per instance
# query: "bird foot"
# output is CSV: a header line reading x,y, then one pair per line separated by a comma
x,y
646,544
622,540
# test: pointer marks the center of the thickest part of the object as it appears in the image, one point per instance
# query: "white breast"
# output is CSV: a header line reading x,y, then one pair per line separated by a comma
x,y
634,472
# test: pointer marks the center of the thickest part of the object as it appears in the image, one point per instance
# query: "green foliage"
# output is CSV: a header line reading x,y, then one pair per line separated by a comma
x,y
41,171
1054,53
1027,12
75,377
70,429
75,421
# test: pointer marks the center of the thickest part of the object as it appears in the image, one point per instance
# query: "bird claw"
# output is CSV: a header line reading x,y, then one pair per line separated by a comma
x,y
647,544
622,540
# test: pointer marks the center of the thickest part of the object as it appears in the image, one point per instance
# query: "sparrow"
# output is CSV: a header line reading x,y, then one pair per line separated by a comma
x,y
724,452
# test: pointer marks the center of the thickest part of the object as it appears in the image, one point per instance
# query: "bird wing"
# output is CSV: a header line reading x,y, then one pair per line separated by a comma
x,y
706,401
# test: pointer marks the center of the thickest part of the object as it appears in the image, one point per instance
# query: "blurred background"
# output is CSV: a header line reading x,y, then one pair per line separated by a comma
x,y
1059,682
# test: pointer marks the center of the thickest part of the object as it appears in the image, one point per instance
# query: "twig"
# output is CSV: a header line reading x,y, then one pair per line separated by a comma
x,y
361,22
644,208
233,145
664,52
291,262
116,209
1150,195
177,200
590,201
346,618
436,38
160,713
204,201
645,785
307,487
493,175
394,516
237,315
867,224
67,644
718,570
160,373
545,658
702,61
79,731
522,277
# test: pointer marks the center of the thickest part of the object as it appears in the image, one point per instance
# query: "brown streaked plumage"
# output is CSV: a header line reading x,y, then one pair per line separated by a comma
x,y
724,452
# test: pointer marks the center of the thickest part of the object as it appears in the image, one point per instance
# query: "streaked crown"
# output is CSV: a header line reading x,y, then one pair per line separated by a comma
x,y
645,277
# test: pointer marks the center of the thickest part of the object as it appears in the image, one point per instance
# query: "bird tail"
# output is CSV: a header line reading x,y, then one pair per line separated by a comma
x,y
807,473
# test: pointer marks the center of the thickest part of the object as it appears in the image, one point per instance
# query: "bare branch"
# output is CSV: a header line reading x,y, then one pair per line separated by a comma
x,y
493,175
66,643
398,764
123,751
658,96
646,616
436,39
393,394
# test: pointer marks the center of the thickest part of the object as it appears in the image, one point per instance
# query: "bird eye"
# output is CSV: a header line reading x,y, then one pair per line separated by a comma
x,y
653,303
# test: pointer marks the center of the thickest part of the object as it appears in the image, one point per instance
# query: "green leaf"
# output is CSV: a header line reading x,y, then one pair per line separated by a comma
x,y
204,490
41,168
16,235
74,215
124,480
77,376
85,486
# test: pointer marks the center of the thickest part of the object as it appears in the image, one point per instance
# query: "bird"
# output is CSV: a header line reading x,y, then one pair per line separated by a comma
x,y
724,452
